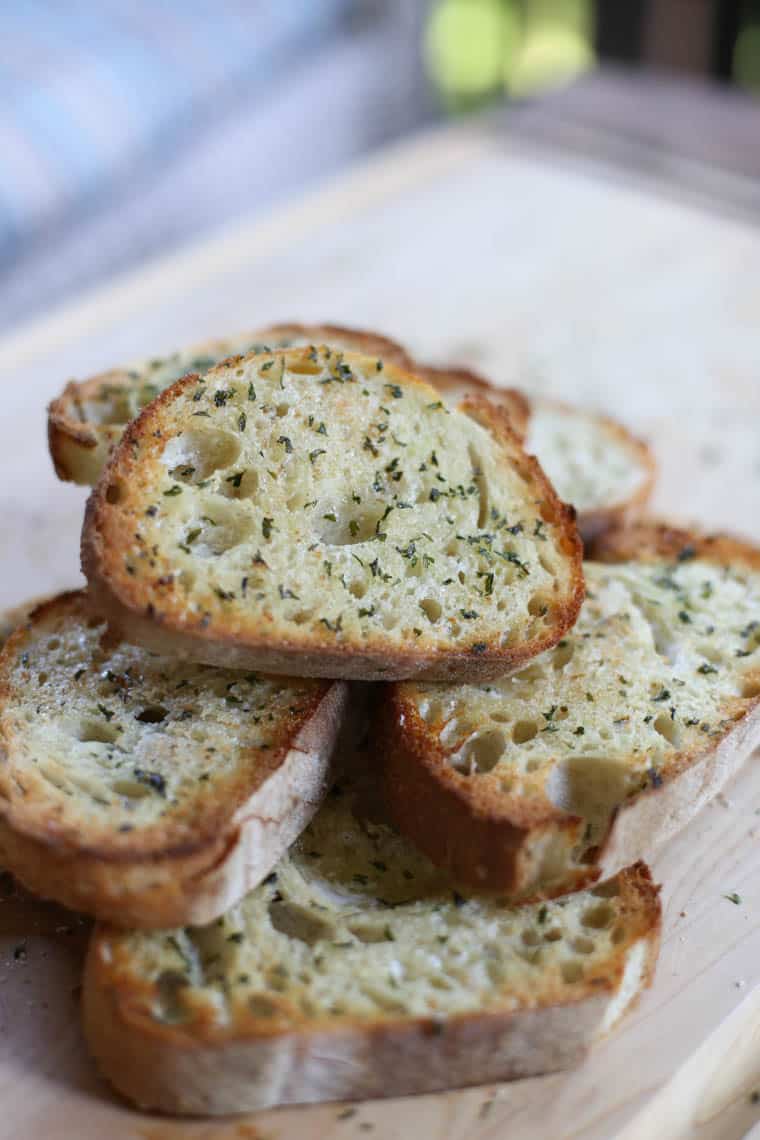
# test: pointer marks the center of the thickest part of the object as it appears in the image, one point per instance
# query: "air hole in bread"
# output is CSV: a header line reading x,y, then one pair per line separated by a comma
x,y
42,678
277,980
222,527
153,714
282,410
241,484
431,608
553,935
571,972
95,732
169,986
114,492
547,564
298,500
530,954
538,606
357,588
750,689
297,922
305,367
582,945
131,789
618,935
480,482
598,917
454,729
499,717
54,643
590,787
481,753
262,1006
711,653
523,731
301,617
608,890
562,654
369,933
530,937
667,728
196,454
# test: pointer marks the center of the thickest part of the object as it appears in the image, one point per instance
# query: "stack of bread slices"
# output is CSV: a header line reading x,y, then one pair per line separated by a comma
x,y
308,887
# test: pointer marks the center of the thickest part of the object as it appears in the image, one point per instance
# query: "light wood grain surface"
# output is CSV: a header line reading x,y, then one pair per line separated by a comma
x,y
561,276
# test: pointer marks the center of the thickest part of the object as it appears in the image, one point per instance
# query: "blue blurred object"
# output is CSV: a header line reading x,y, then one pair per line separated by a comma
x,y
91,93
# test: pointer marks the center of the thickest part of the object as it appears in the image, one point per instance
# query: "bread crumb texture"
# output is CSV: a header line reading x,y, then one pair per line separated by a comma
x,y
356,927
337,499
662,663
108,745
592,462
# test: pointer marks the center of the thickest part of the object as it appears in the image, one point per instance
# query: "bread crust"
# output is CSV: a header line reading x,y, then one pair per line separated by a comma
x,y
648,539
453,378
80,448
160,622
499,842
248,1064
162,880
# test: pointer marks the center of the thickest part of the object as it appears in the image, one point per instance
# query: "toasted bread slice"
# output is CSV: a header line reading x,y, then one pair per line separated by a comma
x,y
143,791
593,461
319,513
595,753
355,971
88,419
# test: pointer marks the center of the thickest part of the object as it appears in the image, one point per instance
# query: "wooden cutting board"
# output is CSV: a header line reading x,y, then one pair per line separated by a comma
x,y
549,270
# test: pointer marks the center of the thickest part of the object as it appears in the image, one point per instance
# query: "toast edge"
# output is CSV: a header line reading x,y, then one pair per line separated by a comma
x,y
79,449
160,1067
186,885
498,850
117,598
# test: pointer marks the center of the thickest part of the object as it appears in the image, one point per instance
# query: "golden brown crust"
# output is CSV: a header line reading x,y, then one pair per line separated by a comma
x,y
651,539
247,1063
79,448
453,379
160,620
495,841
160,877
482,842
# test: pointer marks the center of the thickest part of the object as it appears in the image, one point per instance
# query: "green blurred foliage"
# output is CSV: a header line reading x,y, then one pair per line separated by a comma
x,y
475,50
746,61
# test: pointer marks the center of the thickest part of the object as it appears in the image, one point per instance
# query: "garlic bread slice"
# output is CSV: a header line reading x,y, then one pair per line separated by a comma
x,y
355,971
598,751
326,514
142,790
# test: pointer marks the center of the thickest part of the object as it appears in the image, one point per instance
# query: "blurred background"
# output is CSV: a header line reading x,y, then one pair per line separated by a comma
x,y
129,128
